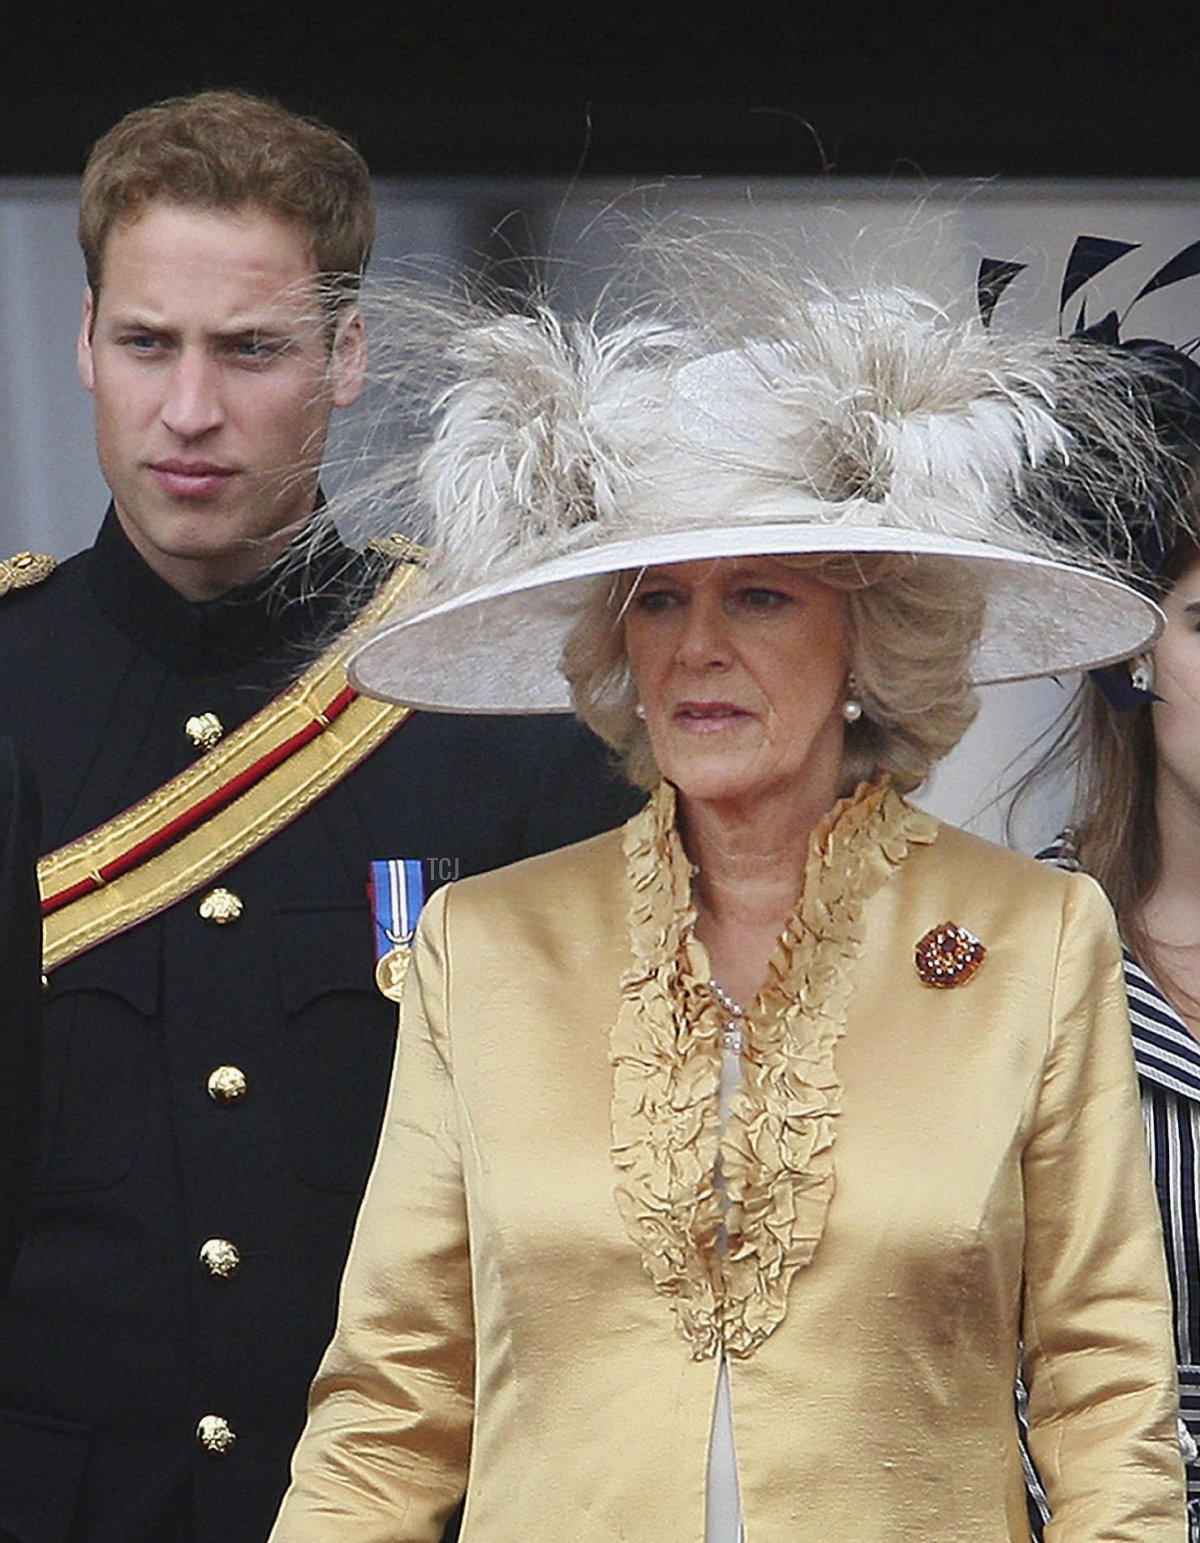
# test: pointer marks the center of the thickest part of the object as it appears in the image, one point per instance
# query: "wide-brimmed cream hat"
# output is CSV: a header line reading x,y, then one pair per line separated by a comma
x,y
870,423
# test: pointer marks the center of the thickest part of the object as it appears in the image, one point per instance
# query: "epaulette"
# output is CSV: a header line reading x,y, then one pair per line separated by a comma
x,y
399,548
24,570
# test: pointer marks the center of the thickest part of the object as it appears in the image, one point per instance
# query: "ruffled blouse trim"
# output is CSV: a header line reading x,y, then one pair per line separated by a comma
x,y
729,1289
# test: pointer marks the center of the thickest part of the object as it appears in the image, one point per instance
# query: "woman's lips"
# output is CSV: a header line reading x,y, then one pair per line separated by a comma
x,y
191,479
709,717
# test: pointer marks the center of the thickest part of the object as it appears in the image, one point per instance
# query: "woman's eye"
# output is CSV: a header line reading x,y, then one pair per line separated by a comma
x,y
653,601
757,599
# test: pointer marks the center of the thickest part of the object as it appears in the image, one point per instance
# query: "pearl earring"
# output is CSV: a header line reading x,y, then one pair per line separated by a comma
x,y
639,711
851,707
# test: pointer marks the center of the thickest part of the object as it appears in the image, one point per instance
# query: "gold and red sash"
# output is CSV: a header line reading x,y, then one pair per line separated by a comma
x,y
236,796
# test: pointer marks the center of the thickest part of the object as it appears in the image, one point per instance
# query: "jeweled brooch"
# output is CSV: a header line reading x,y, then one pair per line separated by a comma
x,y
948,955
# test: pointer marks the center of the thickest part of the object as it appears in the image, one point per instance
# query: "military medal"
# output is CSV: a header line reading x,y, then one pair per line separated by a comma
x,y
392,967
397,889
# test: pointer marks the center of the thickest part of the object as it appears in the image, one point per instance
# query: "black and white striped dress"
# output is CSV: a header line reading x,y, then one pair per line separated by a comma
x,y
1167,1058
1168,1065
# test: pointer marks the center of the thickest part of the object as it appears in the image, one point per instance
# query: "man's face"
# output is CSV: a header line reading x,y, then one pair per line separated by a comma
x,y
214,377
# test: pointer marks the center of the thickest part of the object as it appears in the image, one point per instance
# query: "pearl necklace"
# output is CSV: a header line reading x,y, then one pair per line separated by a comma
x,y
734,1009
732,1034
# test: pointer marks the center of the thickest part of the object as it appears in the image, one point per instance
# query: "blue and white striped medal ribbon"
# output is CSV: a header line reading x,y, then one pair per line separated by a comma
x,y
397,889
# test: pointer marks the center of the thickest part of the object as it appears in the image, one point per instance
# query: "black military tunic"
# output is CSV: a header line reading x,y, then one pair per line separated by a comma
x,y
20,995
214,1078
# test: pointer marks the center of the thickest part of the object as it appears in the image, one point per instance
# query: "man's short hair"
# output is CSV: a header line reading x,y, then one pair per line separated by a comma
x,y
228,150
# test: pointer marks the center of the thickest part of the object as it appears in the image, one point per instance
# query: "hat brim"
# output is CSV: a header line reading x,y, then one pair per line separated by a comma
x,y
498,648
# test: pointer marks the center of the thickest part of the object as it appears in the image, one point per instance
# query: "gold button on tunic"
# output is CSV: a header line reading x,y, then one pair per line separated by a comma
x,y
204,730
215,1436
221,906
227,1085
220,1258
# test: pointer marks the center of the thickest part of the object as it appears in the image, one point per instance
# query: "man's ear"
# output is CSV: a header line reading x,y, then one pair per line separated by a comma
x,y
348,364
83,343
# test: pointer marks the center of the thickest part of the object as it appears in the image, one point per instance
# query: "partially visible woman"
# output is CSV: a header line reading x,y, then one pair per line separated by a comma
x,y
730,1157
1136,828
20,997
1130,742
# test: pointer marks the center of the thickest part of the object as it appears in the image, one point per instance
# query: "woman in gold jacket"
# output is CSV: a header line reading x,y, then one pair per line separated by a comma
x,y
639,1261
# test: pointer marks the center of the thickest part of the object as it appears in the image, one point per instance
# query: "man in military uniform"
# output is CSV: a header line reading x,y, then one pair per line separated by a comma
x,y
216,1051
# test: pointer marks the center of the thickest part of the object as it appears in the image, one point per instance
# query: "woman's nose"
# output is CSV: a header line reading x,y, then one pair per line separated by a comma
x,y
704,639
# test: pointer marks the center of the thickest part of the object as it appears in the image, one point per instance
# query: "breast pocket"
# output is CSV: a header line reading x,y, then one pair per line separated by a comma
x,y
339,1038
102,1063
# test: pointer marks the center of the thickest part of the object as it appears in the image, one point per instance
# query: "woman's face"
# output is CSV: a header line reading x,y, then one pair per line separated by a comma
x,y
741,666
1177,681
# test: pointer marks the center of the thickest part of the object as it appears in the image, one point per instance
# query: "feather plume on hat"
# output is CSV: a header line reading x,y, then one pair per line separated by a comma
x,y
537,441
871,409
760,412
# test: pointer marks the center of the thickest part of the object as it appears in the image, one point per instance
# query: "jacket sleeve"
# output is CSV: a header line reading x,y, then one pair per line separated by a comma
x,y
20,996
383,1457
1099,1355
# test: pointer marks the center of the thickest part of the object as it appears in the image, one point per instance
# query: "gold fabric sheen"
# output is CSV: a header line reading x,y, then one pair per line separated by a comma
x,y
777,1149
920,1177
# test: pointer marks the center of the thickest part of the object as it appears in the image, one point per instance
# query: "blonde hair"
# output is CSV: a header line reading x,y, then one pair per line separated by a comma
x,y
914,623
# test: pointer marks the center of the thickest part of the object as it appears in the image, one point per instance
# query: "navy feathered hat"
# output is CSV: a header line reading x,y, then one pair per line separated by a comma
x,y
1169,385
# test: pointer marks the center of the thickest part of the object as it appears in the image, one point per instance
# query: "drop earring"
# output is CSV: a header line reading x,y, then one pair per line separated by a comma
x,y
851,707
1141,677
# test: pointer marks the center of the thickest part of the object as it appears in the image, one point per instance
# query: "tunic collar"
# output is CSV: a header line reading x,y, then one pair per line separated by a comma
x,y
279,611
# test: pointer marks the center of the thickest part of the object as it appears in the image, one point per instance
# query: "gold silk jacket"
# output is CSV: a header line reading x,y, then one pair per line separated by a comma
x,y
917,1176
